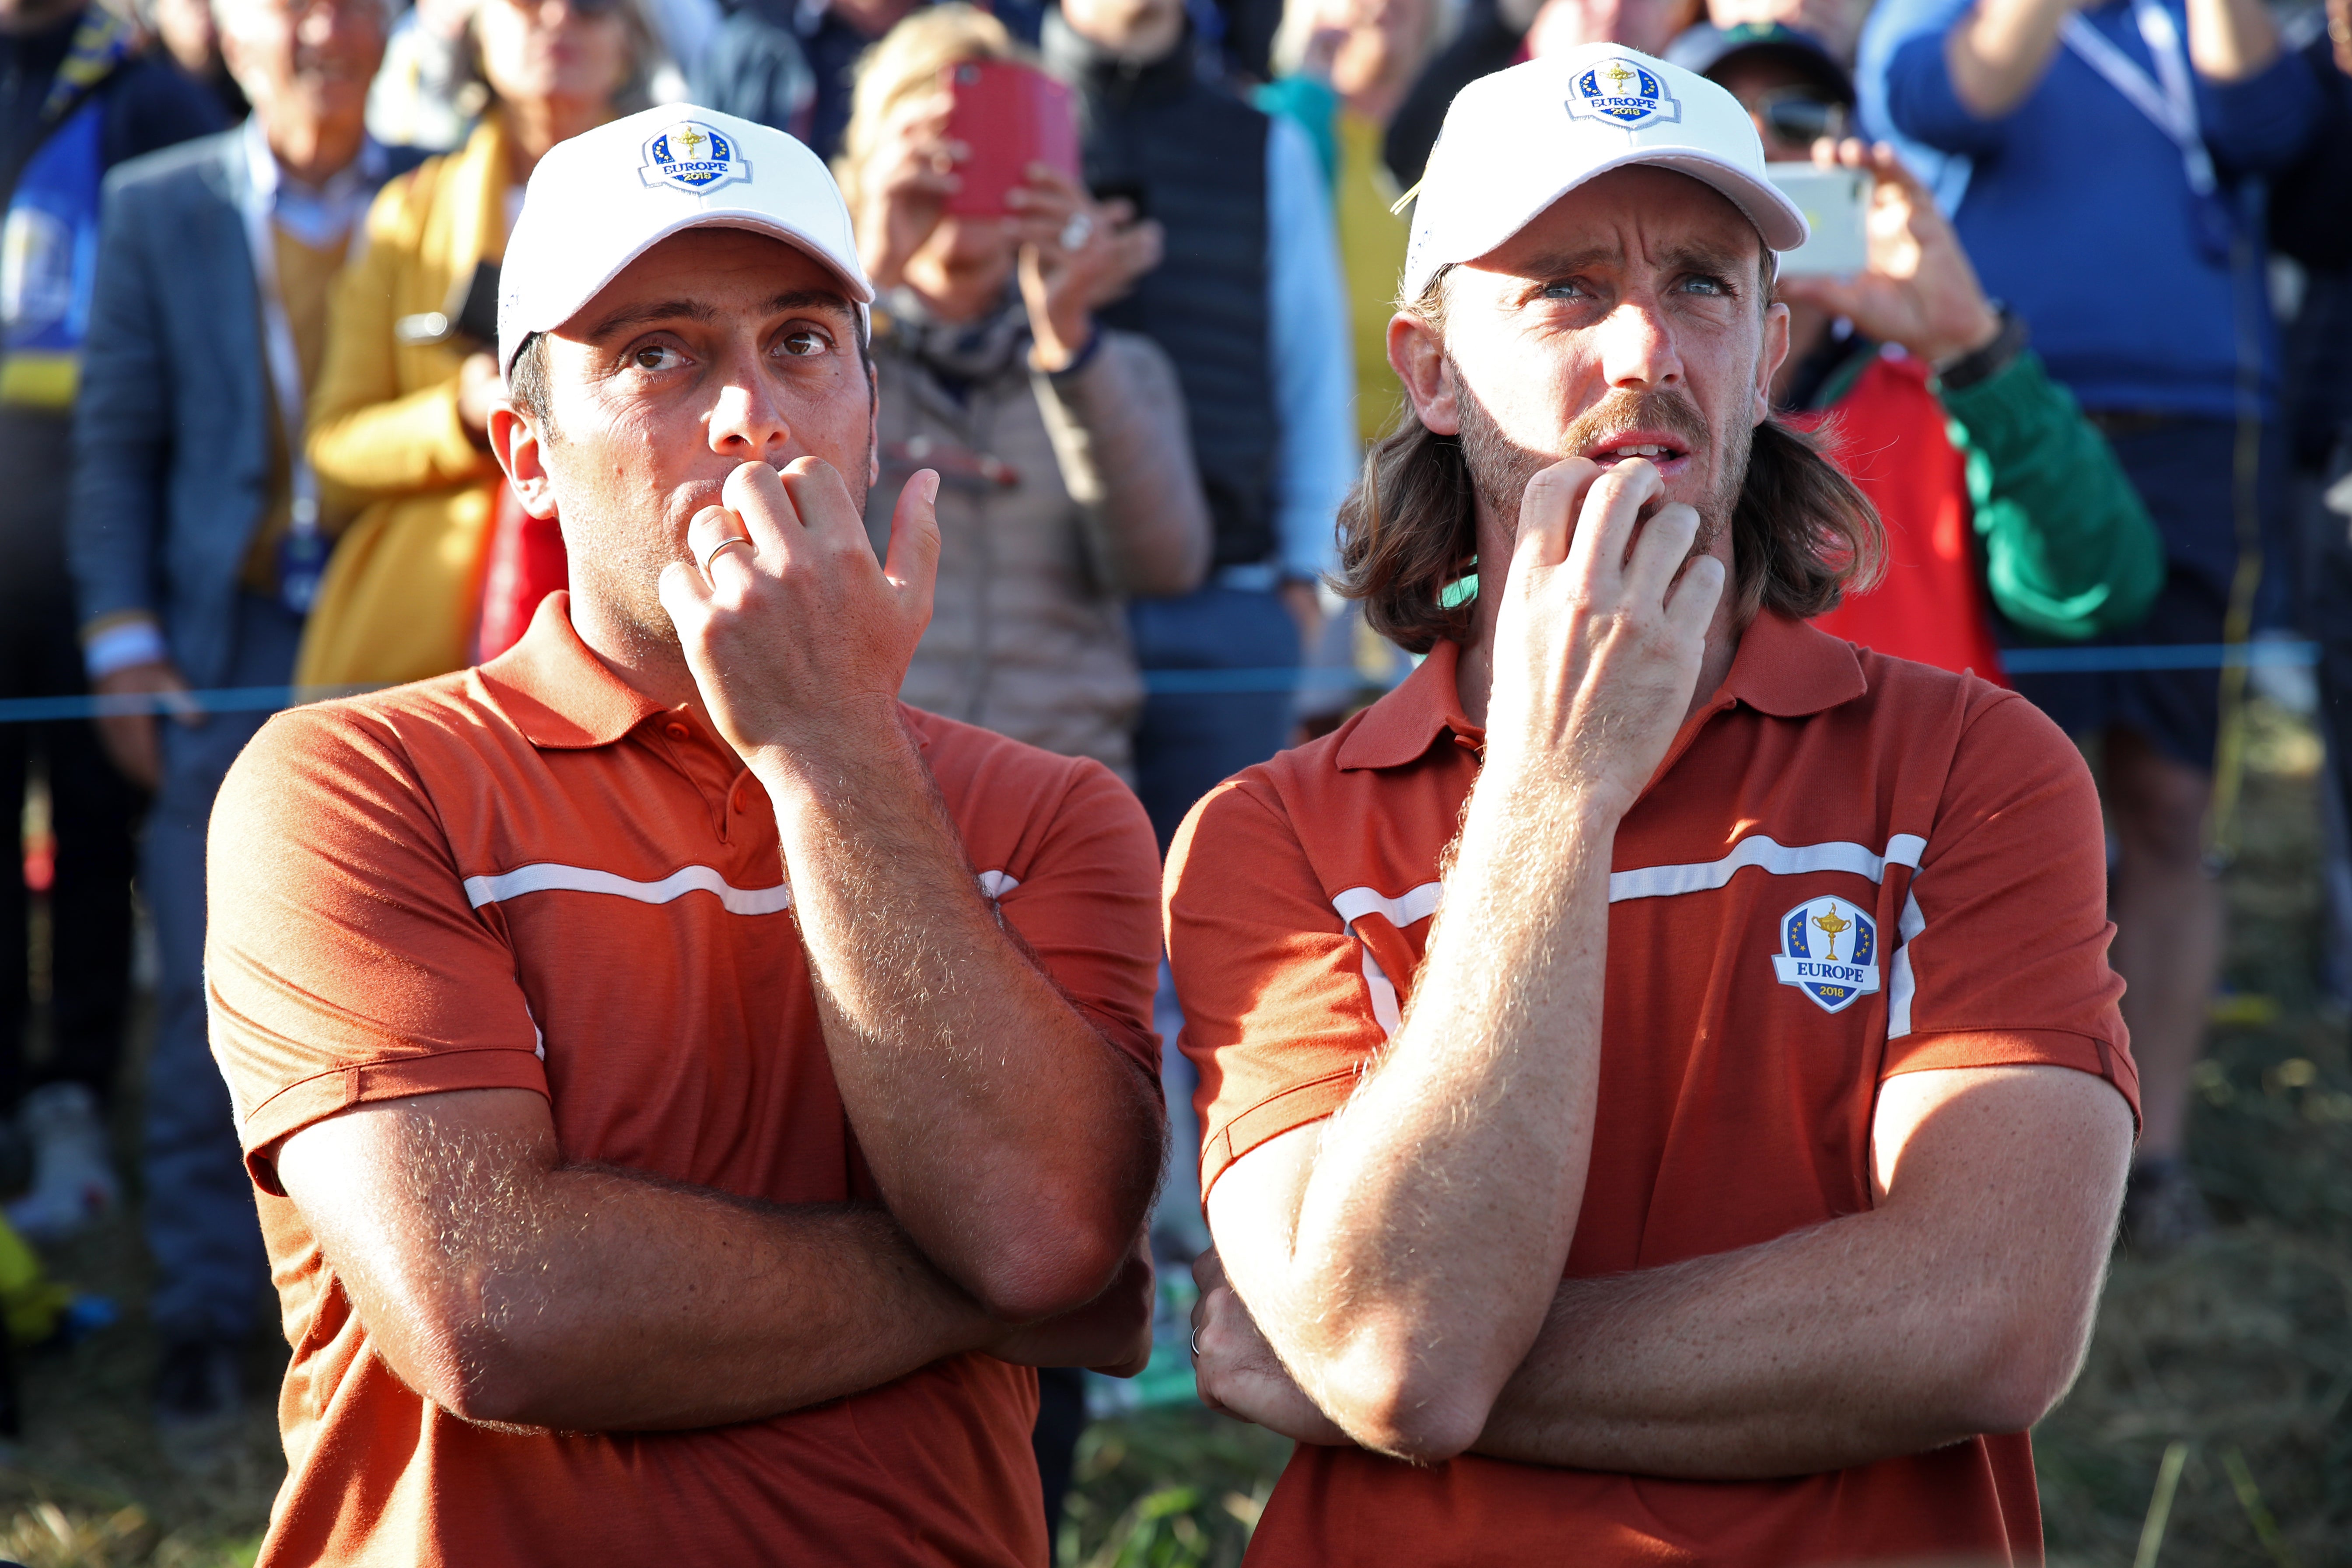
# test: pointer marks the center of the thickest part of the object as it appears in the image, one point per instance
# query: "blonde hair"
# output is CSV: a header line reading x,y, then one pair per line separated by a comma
x,y
907,60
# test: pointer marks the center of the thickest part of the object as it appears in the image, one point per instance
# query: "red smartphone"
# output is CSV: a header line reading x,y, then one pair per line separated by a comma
x,y
1011,116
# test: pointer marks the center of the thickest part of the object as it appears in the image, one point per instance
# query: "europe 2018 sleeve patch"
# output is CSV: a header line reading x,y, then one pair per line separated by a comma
x,y
1829,950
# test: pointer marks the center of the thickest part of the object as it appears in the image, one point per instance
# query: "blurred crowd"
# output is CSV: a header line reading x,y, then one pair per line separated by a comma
x,y
2094,368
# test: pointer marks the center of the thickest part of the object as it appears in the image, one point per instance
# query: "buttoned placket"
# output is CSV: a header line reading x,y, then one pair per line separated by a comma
x,y
684,746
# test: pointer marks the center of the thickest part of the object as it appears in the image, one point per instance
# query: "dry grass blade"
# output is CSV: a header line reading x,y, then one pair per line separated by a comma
x,y
2258,1513
2159,1504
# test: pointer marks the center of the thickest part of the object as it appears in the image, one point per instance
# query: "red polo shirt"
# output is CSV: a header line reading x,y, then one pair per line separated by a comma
x,y
1848,866
528,876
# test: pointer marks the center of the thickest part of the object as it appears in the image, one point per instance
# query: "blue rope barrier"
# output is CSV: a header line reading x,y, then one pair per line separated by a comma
x,y
1216,682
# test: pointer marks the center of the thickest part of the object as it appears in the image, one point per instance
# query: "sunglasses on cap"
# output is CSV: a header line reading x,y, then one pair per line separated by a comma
x,y
1799,115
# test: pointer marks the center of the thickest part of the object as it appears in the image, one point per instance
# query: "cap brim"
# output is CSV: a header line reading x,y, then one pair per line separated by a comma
x,y
1776,219
860,294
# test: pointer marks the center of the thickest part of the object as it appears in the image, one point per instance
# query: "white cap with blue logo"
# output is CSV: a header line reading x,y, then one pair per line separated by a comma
x,y
1519,139
603,199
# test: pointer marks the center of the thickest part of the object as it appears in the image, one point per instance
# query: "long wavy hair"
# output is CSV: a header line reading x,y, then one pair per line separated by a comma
x,y
1801,533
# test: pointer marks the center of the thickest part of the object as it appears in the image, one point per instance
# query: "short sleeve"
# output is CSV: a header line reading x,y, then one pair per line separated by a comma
x,y
342,960
2005,930
1276,992
1084,906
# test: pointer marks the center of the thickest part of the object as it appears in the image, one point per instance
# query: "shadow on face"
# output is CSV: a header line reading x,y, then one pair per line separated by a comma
x,y
715,348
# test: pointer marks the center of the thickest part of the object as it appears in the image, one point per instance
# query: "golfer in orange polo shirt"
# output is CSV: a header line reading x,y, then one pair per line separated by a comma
x,y
1664,1093
688,1092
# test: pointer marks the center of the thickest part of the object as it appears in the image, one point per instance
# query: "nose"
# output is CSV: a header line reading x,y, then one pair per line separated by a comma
x,y
747,421
1637,345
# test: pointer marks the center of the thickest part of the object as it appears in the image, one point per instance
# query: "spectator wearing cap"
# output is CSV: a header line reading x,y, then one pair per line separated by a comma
x,y
688,1089
196,537
1066,478
1935,404
77,98
1571,1203
1250,308
1345,66
401,417
2108,155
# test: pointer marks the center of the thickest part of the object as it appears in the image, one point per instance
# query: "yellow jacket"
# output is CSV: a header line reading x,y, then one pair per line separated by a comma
x,y
403,590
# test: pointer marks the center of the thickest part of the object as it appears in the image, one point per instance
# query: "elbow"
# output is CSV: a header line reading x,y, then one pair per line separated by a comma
x,y
450,1351
1056,1265
1423,1417
2019,1370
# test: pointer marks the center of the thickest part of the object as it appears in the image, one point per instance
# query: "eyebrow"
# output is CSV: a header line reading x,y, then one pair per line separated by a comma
x,y
1688,255
630,318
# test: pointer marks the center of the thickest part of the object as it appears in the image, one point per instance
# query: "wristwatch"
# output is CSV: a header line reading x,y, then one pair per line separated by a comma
x,y
1984,363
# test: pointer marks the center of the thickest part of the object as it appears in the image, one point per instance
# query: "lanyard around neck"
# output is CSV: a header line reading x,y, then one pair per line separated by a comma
x,y
2169,98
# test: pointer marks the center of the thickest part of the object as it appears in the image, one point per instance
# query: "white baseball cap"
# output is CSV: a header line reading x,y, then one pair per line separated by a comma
x,y
1519,139
603,199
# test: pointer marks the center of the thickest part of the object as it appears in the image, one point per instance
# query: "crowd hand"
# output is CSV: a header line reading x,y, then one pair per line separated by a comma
x,y
906,185
130,738
1076,254
797,639
1237,1372
479,391
1110,1334
1919,289
1599,636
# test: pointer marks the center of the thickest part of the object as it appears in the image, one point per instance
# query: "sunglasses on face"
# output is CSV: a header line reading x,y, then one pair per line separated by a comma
x,y
1799,115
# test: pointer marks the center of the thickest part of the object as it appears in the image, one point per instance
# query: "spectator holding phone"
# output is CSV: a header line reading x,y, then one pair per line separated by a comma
x,y
2106,154
1957,436
406,424
1067,476
1252,310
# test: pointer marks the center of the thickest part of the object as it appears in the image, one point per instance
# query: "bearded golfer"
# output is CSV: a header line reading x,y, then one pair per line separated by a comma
x,y
1664,1094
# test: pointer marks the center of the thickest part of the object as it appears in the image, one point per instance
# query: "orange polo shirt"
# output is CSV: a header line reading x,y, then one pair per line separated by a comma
x,y
1848,866
528,876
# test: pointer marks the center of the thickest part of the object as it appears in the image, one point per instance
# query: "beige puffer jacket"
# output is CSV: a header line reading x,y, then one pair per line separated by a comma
x,y
1059,498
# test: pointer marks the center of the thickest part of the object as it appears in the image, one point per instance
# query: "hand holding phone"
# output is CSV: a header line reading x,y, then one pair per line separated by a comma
x,y
1914,285
1835,201
1007,116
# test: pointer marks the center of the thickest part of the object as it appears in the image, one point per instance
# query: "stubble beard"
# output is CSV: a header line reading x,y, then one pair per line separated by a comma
x,y
1500,467
620,568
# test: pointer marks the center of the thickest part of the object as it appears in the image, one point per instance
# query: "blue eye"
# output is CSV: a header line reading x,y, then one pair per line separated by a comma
x,y
1705,286
1565,291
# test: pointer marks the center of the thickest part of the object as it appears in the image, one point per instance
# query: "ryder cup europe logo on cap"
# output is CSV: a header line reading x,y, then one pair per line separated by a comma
x,y
694,157
1829,950
1623,92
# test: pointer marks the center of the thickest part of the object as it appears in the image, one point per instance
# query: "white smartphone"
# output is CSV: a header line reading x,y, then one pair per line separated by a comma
x,y
1834,201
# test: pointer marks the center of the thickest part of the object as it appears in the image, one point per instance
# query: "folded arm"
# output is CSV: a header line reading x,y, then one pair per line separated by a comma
x,y
509,1287
1959,1304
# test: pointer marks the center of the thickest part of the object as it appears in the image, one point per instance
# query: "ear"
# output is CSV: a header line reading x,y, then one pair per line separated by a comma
x,y
874,443
519,453
1417,353
1767,363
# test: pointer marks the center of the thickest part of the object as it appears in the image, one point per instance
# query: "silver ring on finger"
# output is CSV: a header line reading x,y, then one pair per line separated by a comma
x,y
1078,231
1196,1344
729,542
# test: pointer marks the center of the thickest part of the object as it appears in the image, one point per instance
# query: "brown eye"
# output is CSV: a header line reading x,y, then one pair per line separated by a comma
x,y
654,356
804,343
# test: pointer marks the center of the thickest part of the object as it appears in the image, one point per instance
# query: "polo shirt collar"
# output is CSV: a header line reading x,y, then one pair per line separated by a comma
x,y
560,695
1786,667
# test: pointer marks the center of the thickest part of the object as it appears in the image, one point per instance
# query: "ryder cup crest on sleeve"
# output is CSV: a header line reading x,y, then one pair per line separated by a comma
x,y
603,199
1517,141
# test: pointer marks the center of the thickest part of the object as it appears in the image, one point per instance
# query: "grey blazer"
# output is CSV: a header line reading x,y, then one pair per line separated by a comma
x,y
170,447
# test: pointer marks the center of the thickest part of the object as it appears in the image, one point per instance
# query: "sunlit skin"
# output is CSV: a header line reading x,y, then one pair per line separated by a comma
x,y
717,347
1643,279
